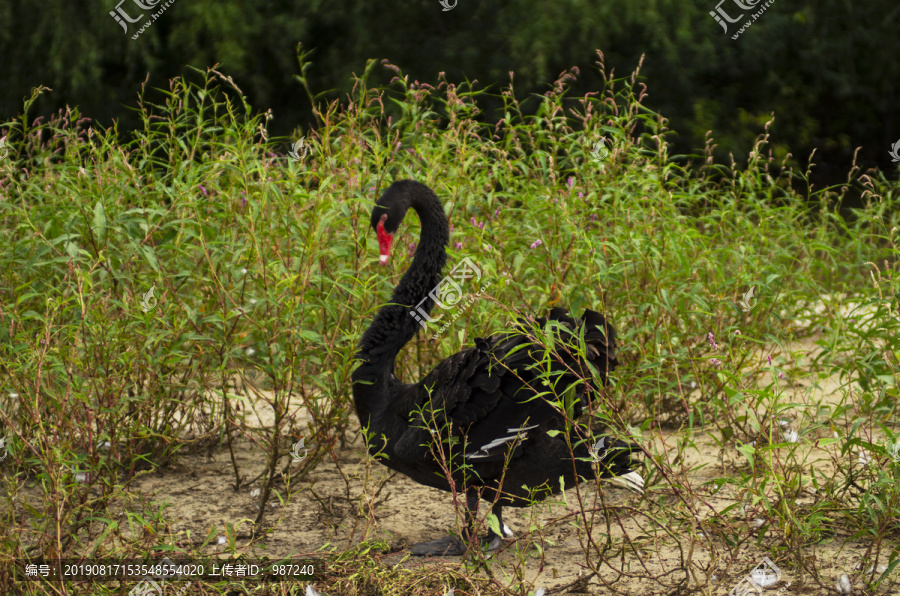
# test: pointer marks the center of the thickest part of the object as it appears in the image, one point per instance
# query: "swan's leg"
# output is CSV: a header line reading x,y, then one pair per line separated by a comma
x,y
451,546
492,541
471,513
504,529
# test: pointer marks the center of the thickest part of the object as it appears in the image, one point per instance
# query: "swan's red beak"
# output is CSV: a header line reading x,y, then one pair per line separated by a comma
x,y
384,243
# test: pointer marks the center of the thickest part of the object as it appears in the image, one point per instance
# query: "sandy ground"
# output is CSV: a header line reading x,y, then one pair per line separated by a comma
x,y
323,513
672,542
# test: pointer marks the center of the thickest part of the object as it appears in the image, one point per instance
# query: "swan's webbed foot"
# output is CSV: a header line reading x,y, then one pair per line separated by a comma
x,y
632,481
451,546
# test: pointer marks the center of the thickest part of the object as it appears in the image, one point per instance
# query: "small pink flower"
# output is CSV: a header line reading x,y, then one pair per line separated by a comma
x,y
715,362
781,375
202,189
769,360
536,244
457,245
712,341
581,195
570,181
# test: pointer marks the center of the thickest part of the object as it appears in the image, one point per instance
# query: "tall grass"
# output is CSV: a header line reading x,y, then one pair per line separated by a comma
x,y
263,275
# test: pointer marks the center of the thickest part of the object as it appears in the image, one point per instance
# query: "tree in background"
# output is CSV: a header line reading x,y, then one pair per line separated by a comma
x,y
828,69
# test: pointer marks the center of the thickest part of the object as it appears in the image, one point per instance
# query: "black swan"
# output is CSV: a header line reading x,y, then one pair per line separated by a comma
x,y
480,407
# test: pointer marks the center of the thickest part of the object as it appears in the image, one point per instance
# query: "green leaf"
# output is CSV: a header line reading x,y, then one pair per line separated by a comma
x,y
733,395
150,257
749,451
99,225
494,524
517,262
727,433
310,335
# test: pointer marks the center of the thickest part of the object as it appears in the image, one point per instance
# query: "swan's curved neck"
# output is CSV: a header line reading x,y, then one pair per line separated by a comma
x,y
394,326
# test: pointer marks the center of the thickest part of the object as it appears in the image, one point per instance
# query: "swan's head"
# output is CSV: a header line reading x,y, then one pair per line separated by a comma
x,y
385,238
388,214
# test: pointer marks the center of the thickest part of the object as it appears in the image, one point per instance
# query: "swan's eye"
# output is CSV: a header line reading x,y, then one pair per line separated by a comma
x,y
384,217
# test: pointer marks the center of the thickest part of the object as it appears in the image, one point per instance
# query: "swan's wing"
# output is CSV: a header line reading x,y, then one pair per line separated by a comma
x,y
495,395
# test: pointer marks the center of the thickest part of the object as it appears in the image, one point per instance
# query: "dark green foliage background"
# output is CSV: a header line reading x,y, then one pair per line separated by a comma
x,y
828,69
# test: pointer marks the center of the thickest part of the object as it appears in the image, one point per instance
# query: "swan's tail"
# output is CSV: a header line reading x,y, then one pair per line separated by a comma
x,y
612,455
599,337
616,465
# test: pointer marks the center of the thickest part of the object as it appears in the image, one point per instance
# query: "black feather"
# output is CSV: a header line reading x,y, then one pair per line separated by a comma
x,y
487,410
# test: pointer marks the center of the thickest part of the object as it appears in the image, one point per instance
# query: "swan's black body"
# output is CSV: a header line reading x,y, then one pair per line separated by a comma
x,y
480,407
